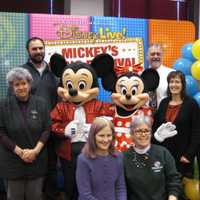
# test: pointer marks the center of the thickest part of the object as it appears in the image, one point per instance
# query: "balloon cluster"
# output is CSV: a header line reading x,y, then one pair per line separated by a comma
x,y
189,64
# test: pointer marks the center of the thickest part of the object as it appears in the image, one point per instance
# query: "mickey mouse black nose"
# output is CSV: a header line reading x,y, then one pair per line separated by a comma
x,y
73,92
128,96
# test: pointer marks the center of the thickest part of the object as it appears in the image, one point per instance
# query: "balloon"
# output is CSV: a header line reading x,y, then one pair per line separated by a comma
x,y
186,52
183,65
197,98
191,85
195,70
196,49
191,188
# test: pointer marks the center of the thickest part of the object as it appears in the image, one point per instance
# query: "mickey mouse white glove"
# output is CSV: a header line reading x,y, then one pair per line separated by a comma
x,y
166,130
71,128
86,129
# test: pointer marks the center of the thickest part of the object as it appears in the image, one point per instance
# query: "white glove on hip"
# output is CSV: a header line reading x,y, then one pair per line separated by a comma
x,y
166,130
86,129
71,128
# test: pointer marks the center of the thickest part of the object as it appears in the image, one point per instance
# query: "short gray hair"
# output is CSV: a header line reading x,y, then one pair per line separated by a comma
x,y
140,119
18,73
156,45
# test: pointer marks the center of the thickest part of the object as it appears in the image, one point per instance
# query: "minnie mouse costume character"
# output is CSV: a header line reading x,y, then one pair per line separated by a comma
x,y
130,96
72,117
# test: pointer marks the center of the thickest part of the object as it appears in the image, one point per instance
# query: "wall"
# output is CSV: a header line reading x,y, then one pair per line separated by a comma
x,y
151,9
87,7
31,6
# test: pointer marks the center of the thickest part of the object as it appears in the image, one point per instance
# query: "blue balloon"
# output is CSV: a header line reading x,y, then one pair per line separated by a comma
x,y
192,86
183,65
197,98
186,52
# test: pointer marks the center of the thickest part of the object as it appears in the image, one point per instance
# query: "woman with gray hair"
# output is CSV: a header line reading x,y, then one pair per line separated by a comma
x,y
18,73
24,130
150,170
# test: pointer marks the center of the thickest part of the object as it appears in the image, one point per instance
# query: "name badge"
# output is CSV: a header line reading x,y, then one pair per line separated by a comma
x,y
34,114
157,167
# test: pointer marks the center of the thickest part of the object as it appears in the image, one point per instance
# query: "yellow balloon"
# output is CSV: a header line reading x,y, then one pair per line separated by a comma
x,y
196,49
195,70
191,188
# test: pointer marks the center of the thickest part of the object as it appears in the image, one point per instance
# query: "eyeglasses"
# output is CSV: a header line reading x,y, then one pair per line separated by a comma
x,y
142,131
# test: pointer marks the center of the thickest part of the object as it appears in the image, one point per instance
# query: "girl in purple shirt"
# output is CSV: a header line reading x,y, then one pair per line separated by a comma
x,y
100,174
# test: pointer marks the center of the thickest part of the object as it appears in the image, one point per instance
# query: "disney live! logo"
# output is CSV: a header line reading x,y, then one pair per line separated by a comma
x,y
72,32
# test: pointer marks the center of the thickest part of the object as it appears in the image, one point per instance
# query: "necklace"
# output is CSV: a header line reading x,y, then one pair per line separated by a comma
x,y
140,160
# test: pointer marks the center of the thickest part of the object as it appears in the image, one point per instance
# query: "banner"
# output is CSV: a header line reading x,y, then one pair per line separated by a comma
x,y
126,52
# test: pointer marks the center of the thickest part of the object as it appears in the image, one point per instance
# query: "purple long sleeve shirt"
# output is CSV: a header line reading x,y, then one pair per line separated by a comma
x,y
101,178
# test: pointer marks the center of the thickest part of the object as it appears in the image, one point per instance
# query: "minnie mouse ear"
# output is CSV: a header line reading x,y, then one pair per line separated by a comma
x,y
103,64
57,64
151,79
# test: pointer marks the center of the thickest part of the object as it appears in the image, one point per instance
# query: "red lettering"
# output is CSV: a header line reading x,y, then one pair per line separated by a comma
x,y
114,50
89,52
81,53
124,61
97,50
74,53
67,53
104,49
128,62
133,61
119,61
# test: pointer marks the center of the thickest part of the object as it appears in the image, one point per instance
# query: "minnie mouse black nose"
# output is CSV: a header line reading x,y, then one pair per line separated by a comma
x,y
73,92
128,96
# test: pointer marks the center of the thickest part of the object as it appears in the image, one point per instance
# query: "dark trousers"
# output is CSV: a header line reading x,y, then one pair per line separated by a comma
x,y
50,182
25,189
2,185
69,172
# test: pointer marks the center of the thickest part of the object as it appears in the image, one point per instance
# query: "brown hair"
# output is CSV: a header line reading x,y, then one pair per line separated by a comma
x,y
174,74
90,147
33,39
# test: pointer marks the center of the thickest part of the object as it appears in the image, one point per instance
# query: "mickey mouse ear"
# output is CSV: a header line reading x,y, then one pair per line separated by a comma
x,y
103,64
108,82
57,64
151,79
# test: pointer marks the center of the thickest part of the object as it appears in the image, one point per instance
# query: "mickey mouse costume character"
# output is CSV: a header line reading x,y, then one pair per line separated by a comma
x,y
72,117
130,96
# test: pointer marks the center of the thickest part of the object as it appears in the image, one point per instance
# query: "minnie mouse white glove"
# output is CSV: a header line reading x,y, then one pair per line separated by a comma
x,y
71,128
166,130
